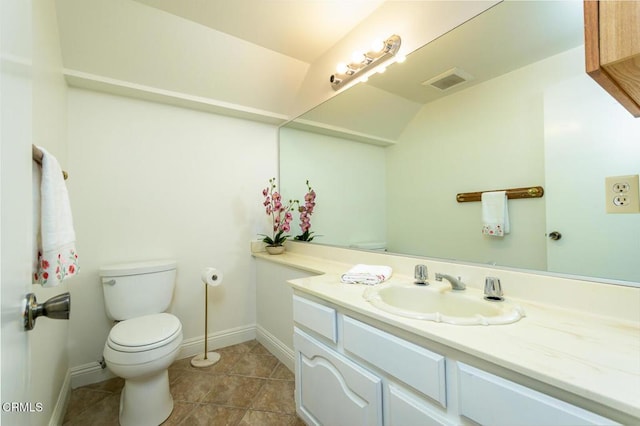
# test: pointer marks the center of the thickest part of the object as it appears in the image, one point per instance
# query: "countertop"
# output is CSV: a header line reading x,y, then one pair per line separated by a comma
x,y
593,356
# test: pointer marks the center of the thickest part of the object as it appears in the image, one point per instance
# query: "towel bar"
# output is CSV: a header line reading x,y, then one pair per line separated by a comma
x,y
37,157
513,193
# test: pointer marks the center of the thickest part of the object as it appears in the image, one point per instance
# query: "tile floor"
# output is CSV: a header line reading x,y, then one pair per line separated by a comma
x,y
247,387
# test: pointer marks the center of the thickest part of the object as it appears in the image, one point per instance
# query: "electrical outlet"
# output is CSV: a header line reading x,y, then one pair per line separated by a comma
x,y
622,194
621,187
621,201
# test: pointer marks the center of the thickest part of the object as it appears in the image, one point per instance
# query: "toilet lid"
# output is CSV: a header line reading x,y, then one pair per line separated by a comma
x,y
144,333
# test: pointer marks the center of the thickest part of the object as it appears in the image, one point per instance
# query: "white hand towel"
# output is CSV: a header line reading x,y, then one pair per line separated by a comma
x,y
56,258
495,214
367,274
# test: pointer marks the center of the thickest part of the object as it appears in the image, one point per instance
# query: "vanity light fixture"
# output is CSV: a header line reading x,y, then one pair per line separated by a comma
x,y
363,64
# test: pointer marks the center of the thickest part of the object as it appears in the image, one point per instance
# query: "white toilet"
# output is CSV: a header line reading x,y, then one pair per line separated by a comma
x,y
143,344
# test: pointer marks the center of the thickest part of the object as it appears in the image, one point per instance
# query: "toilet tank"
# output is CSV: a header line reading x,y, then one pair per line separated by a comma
x,y
135,289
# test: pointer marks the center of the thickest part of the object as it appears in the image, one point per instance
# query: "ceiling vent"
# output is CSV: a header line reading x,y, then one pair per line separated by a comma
x,y
448,79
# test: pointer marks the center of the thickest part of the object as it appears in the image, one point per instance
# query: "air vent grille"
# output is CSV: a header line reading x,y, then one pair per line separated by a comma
x,y
448,79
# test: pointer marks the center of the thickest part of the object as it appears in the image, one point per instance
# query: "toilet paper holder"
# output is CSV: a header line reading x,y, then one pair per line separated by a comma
x,y
57,307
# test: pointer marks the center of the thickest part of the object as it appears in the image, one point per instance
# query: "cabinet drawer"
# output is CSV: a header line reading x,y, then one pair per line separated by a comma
x,y
404,408
316,317
492,400
331,389
414,365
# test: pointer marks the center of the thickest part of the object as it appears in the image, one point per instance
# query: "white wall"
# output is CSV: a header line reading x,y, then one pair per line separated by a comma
x,y
490,136
274,310
153,181
349,181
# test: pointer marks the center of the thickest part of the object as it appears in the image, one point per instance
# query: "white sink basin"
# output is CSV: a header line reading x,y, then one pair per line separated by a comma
x,y
442,305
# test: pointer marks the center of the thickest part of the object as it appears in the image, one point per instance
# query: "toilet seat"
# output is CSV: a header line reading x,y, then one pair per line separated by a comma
x,y
144,333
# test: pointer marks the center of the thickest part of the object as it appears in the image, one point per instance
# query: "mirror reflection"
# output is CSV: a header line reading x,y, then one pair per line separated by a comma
x,y
387,157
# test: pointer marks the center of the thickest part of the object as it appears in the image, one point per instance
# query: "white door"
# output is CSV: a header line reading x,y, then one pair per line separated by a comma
x,y
589,136
15,205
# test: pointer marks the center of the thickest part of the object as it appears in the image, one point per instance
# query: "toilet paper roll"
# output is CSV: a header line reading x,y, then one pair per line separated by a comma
x,y
211,276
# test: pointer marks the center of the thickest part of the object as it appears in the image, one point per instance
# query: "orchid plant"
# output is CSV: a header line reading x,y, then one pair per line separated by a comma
x,y
280,215
306,211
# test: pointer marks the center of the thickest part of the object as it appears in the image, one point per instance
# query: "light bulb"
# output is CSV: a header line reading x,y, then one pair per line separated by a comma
x,y
381,70
401,58
377,45
342,68
357,57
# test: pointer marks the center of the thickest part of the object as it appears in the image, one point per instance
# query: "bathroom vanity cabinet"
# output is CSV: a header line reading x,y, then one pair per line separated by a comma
x,y
612,48
349,371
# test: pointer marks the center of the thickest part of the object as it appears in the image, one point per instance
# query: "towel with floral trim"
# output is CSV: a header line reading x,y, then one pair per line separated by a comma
x,y
495,214
367,274
54,236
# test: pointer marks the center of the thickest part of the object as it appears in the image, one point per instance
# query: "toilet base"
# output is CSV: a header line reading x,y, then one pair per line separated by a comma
x,y
146,400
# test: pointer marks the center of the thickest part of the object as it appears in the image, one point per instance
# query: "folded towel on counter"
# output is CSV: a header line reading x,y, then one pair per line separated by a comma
x,y
495,214
54,236
367,274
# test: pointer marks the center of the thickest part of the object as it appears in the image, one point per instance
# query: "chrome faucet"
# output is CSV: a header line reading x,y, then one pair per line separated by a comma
x,y
421,275
456,283
493,289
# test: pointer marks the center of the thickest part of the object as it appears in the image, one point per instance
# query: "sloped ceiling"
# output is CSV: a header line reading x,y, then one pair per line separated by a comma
x,y
247,57
303,30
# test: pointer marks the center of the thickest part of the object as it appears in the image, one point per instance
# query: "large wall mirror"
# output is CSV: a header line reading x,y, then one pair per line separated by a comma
x,y
387,157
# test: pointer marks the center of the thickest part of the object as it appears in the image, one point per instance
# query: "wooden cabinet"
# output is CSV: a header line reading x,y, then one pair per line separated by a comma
x,y
612,48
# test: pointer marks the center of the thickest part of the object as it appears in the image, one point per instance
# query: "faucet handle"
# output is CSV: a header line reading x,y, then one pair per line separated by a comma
x,y
421,274
492,289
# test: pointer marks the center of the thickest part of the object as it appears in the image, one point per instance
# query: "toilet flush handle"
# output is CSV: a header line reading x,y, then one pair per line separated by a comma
x,y
110,282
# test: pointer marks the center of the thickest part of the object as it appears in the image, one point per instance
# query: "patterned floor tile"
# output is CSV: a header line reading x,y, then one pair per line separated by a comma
x,y
248,386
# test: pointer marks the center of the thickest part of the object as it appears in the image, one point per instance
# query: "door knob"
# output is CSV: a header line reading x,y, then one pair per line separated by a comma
x,y
555,235
57,307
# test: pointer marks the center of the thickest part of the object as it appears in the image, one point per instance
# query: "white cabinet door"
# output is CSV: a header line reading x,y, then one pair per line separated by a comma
x,y
407,409
492,400
331,390
416,366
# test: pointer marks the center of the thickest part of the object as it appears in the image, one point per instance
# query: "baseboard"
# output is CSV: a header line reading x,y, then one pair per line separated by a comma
x,y
221,339
59,410
93,373
276,347
87,374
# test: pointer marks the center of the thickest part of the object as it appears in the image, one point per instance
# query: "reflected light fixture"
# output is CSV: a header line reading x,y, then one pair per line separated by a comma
x,y
361,63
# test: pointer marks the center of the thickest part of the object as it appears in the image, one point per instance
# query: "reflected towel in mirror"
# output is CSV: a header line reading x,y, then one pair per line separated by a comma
x,y
495,214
